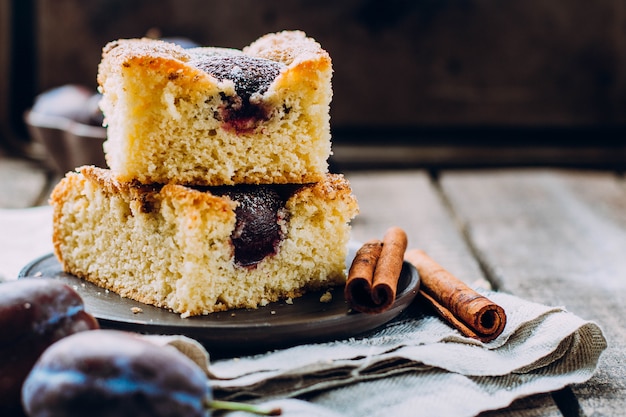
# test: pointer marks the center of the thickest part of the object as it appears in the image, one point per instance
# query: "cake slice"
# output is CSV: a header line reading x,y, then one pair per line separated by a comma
x,y
202,250
214,116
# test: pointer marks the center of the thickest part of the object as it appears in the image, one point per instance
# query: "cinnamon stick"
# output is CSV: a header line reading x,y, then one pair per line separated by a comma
x,y
471,313
372,281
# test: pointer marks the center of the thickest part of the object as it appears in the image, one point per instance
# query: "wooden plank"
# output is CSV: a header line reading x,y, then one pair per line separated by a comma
x,y
572,72
408,199
559,238
22,183
445,155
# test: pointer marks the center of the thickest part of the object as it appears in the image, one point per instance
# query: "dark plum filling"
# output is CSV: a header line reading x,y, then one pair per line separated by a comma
x,y
250,75
260,214
257,232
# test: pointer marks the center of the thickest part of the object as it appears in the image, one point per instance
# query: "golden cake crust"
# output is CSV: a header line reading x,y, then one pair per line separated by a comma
x,y
292,48
289,47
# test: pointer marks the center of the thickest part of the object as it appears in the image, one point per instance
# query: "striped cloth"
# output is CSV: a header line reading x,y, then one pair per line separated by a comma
x,y
419,366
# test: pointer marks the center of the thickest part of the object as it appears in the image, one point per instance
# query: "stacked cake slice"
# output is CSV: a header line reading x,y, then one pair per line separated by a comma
x,y
219,195
213,116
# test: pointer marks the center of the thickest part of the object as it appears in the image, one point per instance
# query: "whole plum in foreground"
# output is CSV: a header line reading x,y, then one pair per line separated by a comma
x,y
34,313
111,373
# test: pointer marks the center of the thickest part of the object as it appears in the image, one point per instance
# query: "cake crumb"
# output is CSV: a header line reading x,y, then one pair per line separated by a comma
x,y
136,310
289,300
327,297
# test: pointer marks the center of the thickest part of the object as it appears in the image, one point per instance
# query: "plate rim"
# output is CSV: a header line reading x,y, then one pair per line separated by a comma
x,y
372,321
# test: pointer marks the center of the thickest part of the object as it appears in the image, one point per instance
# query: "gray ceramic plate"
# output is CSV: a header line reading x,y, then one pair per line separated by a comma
x,y
276,325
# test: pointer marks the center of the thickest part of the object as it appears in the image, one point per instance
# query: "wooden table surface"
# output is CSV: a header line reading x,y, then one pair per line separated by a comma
x,y
552,236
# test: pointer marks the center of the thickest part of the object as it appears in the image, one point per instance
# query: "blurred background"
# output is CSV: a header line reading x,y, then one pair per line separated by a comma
x,y
424,83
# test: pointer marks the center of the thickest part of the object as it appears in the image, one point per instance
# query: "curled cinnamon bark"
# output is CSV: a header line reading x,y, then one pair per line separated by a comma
x,y
373,276
471,313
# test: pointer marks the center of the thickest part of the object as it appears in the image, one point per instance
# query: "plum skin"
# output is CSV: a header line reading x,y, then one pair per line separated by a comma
x,y
114,373
34,314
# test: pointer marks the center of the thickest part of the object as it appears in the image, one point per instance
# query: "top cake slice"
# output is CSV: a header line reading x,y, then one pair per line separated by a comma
x,y
217,116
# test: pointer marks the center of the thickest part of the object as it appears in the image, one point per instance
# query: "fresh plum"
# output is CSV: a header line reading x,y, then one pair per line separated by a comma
x,y
34,313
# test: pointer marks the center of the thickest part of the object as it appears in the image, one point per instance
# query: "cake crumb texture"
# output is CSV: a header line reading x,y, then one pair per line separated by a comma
x,y
170,245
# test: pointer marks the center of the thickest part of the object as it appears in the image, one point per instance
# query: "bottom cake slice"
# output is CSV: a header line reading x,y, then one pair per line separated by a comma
x,y
201,250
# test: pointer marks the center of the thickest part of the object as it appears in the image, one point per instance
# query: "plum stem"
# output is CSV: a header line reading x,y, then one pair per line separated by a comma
x,y
236,406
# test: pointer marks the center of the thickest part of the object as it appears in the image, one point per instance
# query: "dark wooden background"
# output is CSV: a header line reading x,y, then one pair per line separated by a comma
x,y
534,81
419,83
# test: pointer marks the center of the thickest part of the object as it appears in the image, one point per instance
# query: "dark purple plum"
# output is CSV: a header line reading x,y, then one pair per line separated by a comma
x,y
113,373
34,313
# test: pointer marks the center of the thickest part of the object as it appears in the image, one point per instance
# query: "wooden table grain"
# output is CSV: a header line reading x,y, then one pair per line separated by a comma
x,y
552,236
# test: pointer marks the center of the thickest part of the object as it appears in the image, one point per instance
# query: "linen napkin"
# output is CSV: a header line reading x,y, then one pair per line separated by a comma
x,y
410,366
